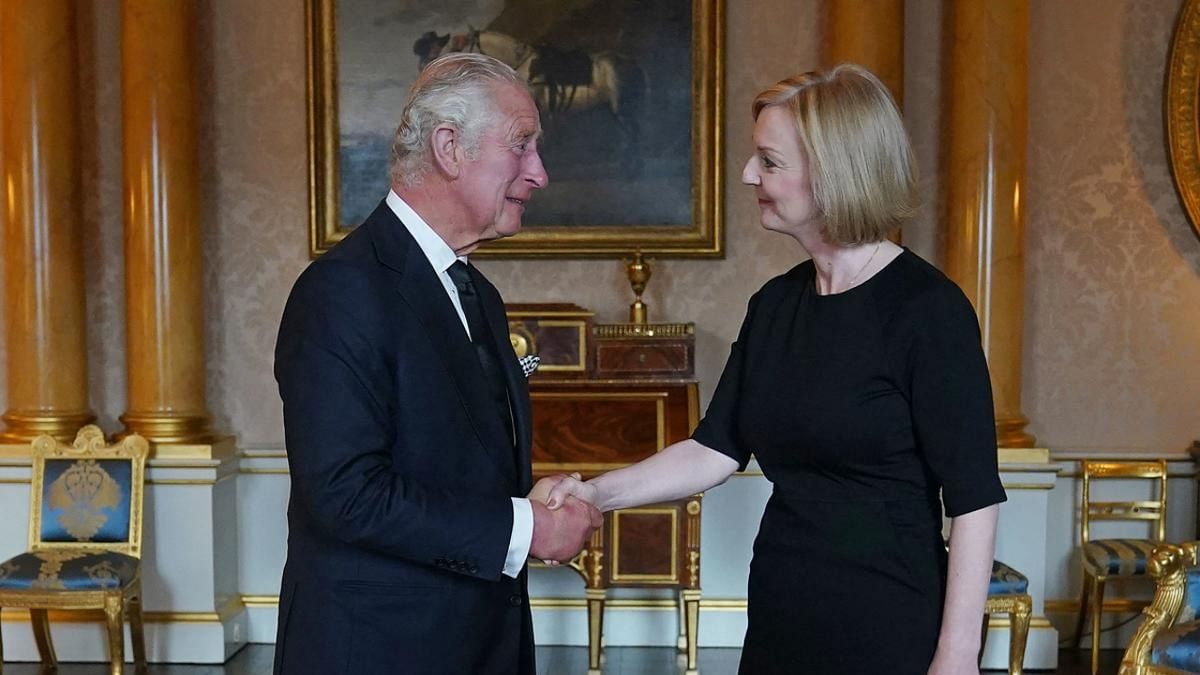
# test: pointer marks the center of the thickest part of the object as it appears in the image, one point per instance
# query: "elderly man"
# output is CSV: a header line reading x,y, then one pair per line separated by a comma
x,y
407,414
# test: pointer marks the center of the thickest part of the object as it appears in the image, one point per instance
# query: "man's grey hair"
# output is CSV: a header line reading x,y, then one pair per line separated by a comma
x,y
456,89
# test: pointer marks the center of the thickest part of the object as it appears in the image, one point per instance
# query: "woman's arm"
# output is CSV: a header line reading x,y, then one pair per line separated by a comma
x,y
680,470
972,546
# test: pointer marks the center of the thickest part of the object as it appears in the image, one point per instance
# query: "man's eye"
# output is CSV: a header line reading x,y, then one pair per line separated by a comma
x,y
766,162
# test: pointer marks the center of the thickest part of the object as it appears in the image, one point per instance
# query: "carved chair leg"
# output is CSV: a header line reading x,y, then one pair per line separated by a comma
x,y
39,621
1097,614
136,630
1083,610
114,617
1018,634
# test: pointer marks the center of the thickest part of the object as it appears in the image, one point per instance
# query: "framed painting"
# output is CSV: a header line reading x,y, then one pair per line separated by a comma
x,y
630,98
1181,109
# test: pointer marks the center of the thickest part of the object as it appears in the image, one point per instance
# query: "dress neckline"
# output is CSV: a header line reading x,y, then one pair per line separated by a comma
x,y
812,278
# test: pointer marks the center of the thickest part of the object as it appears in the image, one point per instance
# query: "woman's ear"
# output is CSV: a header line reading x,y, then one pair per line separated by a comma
x,y
447,152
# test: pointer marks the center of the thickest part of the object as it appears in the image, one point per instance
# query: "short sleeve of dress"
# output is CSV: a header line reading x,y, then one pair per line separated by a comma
x,y
718,430
951,399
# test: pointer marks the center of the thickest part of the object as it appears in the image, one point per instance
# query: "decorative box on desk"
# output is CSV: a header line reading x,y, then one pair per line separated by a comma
x,y
636,396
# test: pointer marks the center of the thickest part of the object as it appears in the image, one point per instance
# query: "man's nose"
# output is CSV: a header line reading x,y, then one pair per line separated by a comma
x,y
535,173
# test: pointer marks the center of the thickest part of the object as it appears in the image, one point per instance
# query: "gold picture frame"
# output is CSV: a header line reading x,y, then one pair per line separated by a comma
x,y
1182,112
698,234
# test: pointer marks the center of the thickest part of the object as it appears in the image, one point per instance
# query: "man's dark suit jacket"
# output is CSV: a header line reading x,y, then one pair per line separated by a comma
x,y
402,471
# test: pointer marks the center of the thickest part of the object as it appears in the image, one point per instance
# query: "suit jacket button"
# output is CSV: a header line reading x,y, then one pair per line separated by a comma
x,y
473,569
514,600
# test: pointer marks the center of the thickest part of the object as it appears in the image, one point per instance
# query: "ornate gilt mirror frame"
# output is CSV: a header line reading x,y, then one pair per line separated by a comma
x,y
1182,112
695,230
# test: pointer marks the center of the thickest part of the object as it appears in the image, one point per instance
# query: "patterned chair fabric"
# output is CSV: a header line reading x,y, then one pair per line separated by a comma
x,y
86,500
1006,580
1117,557
66,569
1178,648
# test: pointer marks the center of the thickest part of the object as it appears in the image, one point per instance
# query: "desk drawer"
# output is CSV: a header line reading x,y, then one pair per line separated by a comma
x,y
644,357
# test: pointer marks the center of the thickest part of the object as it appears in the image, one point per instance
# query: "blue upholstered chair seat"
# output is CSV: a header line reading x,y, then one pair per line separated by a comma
x,y
1112,557
1178,647
1006,580
67,569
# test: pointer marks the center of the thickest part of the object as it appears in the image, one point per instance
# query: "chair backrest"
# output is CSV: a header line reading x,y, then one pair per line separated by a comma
x,y
1154,511
87,495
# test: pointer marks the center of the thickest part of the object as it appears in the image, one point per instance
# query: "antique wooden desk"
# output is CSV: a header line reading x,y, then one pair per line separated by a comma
x,y
624,394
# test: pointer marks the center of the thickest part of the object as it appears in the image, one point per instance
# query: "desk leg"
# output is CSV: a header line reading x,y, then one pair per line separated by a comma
x,y
595,605
691,610
681,642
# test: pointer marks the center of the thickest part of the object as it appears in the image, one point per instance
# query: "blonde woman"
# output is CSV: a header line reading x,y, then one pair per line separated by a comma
x,y
859,383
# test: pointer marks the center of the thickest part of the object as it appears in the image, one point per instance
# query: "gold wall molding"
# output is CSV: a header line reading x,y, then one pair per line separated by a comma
x,y
1001,621
228,609
572,604
1119,605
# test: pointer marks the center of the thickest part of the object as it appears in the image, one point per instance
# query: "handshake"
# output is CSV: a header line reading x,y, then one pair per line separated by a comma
x,y
564,517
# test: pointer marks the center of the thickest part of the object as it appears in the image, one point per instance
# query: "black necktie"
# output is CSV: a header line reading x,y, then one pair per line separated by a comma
x,y
484,342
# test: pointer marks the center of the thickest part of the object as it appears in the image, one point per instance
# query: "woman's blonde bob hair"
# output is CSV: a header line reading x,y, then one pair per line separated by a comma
x,y
860,159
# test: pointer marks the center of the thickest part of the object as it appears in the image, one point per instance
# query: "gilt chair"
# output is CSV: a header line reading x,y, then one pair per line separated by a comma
x,y
85,541
1108,559
1008,593
1168,640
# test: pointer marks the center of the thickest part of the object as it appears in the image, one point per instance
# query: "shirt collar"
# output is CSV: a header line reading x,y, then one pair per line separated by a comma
x,y
436,250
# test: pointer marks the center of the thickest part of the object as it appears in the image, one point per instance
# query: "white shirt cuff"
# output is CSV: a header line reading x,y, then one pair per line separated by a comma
x,y
521,539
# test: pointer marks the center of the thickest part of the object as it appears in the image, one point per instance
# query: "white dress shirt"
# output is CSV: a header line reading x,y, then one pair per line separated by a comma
x,y
441,257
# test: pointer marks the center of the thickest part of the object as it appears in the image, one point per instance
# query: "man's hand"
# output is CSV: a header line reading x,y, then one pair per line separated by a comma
x,y
561,534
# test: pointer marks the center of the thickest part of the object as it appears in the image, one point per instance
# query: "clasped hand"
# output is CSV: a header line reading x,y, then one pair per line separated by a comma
x,y
563,518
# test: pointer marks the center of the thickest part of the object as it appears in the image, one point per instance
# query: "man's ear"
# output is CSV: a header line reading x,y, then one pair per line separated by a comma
x,y
447,152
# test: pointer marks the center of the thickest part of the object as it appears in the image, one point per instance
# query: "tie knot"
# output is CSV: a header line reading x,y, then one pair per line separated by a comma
x,y
461,277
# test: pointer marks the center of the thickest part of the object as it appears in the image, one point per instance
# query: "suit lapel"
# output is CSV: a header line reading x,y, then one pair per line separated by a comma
x,y
514,377
419,287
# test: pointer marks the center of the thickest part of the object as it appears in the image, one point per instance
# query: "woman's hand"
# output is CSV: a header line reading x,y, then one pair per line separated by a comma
x,y
570,486
541,489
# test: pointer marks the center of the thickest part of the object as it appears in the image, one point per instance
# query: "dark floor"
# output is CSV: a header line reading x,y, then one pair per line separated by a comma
x,y
256,660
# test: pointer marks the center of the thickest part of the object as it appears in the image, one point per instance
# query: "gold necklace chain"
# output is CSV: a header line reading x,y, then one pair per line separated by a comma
x,y
864,267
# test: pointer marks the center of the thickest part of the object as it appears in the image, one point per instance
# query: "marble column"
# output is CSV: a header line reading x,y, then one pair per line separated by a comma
x,y
163,262
45,325
871,34
983,175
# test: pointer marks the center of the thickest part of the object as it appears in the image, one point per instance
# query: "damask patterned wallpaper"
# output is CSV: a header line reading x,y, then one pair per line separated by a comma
x,y
1113,270
1113,267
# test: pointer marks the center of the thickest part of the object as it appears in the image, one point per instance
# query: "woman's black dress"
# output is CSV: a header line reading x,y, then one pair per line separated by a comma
x,y
860,407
